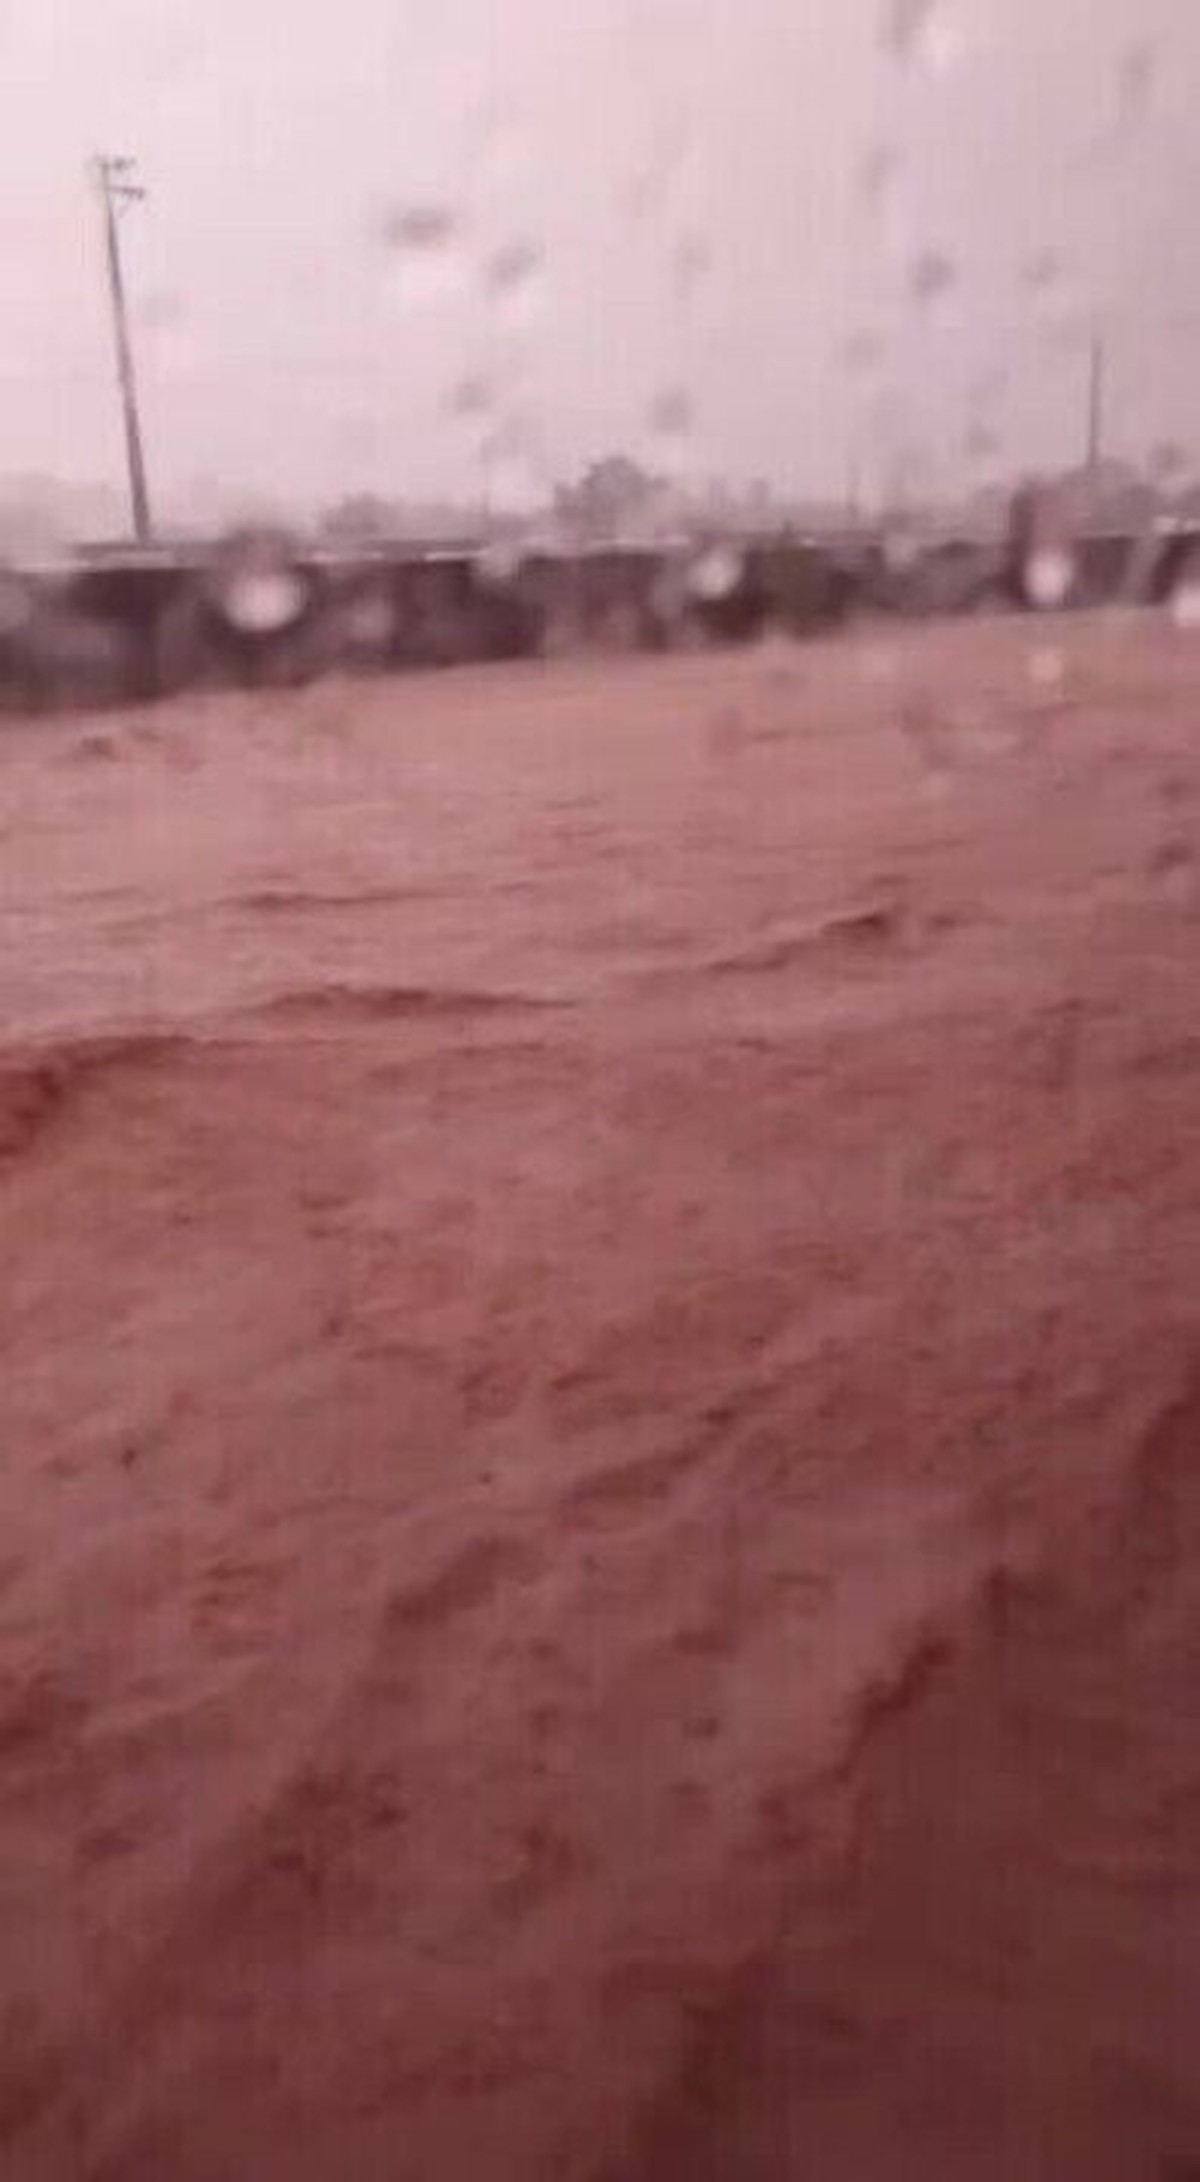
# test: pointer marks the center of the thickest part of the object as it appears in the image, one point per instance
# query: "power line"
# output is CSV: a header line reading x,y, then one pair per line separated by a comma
x,y
117,187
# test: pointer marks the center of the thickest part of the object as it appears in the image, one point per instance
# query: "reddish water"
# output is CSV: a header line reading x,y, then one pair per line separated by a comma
x,y
601,1422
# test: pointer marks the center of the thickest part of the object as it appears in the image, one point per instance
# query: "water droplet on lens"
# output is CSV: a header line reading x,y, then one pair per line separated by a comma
x,y
1048,577
1184,601
512,269
900,547
716,573
1167,461
652,182
862,352
982,441
162,322
417,227
1135,78
671,412
264,601
422,242
932,276
1043,269
879,171
470,396
691,262
920,33
499,562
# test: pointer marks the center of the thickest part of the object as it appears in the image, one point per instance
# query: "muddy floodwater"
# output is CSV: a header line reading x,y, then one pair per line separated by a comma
x,y
600,1422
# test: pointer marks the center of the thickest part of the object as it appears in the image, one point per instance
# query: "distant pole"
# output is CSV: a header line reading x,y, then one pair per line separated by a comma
x,y
117,187
1095,420
491,452
853,481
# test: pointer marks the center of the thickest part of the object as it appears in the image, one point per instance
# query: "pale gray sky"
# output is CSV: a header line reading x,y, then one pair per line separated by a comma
x,y
686,205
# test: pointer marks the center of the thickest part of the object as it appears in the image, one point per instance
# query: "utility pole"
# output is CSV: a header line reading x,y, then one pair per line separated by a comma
x,y
117,187
854,465
1095,422
487,456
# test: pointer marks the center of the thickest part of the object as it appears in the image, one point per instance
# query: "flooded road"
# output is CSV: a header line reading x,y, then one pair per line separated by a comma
x,y
600,1505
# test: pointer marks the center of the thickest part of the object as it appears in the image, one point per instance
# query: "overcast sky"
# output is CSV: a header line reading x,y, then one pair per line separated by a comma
x,y
771,237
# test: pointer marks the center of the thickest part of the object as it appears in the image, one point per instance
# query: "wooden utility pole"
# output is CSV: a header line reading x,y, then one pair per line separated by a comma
x,y
1095,421
117,187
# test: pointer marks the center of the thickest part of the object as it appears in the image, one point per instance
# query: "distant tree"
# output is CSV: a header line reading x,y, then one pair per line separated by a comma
x,y
611,495
358,519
